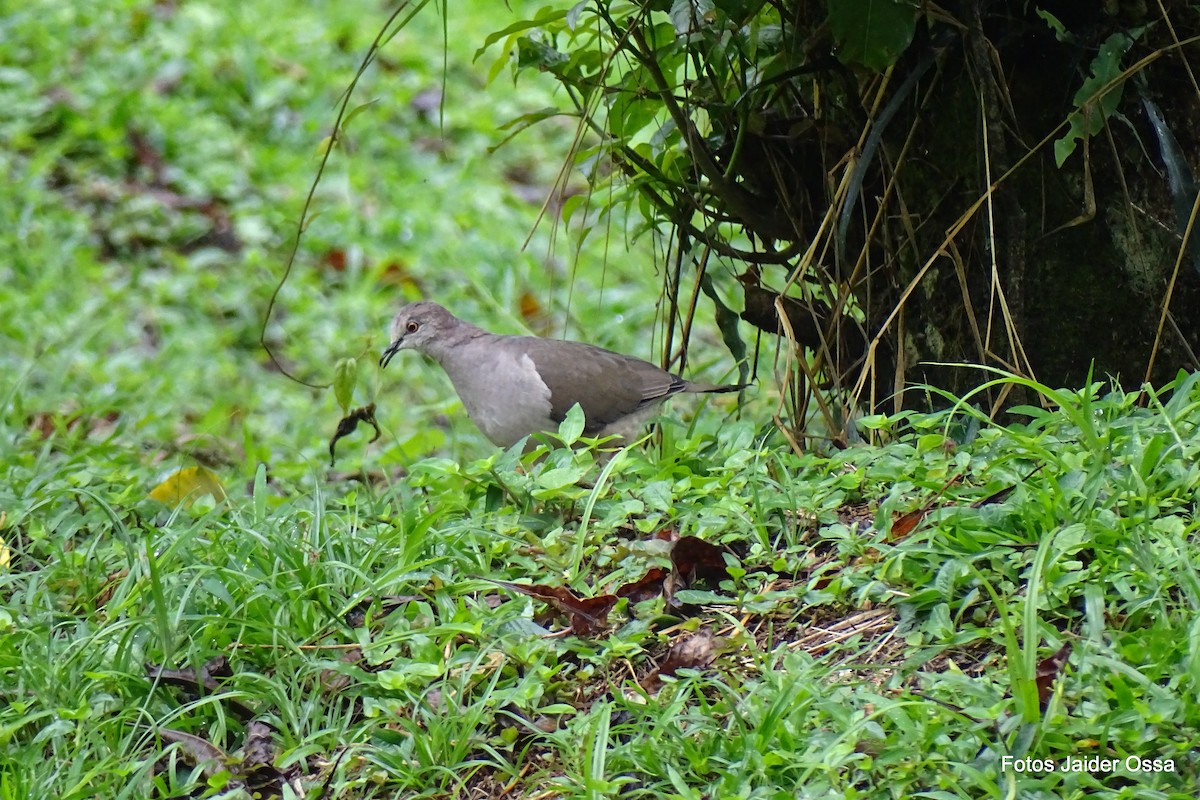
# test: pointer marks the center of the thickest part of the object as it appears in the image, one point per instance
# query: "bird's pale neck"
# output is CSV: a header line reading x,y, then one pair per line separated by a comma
x,y
454,342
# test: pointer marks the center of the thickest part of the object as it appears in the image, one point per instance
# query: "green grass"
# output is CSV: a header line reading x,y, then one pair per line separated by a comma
x,y
357,606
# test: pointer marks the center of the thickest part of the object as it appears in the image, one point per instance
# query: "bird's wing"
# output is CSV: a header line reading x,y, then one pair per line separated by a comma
x,y
607,385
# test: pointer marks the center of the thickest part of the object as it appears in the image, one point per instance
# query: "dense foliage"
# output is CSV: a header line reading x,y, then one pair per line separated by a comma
x,y
193,604
906,185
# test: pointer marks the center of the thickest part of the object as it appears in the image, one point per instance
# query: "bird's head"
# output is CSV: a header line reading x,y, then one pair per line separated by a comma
x,y
420,326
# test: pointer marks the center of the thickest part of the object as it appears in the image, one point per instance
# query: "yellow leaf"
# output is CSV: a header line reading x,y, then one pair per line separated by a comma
x,y
186,485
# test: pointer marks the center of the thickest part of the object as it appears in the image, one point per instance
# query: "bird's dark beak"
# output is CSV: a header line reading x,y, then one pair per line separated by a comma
x,y
393,348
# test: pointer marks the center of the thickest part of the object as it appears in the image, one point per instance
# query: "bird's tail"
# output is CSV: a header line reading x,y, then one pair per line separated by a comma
x,y
712,388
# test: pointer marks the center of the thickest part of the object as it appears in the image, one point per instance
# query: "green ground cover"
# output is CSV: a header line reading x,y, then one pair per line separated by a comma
x,y
340,632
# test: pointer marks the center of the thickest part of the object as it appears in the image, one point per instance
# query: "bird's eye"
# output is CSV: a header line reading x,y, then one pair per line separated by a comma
x,y
413,327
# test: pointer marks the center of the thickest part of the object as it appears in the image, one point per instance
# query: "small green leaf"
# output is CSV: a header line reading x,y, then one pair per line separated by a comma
x,y
633,107
308,219
532,118
412,673
573,204
538,54
354,112
345,377
571,428
874,422
698,597
544,18
1060,31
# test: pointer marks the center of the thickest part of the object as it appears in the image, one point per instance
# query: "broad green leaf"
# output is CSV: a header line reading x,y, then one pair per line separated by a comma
x,y
699,597
872,32
573,204
561,477
1092,109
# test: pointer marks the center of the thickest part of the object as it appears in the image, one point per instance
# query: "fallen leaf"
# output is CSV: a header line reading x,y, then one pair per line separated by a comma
x,y
258,748
203,683
186,485
697,560
905,524
695,652
1048,670
647,588
693,560
198,752
587,615
258,768
106,591
48,423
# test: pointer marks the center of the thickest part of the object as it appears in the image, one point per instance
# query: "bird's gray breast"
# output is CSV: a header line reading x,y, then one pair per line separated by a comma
x,y
501,390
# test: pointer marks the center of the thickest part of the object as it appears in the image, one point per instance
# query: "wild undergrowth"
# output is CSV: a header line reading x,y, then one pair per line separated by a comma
x,y
889,620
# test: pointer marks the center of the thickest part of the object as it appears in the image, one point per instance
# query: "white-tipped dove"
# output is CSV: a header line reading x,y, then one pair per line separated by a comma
x,y
513,386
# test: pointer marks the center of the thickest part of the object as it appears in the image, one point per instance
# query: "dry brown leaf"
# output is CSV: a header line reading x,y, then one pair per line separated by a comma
x,y
198,752
587,615
1048,670
695,652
